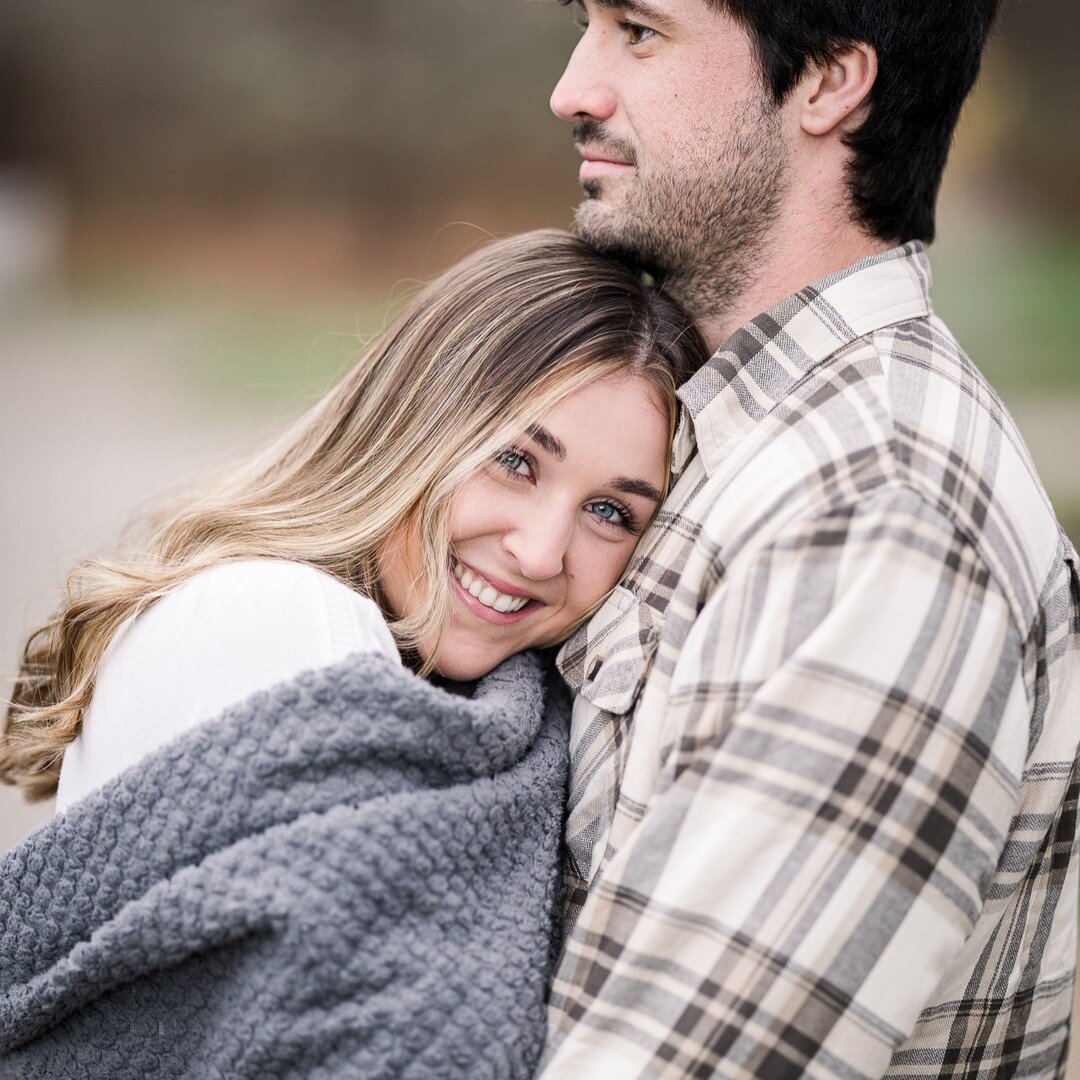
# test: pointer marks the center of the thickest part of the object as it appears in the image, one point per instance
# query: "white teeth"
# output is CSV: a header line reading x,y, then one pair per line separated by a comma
x,y
487,594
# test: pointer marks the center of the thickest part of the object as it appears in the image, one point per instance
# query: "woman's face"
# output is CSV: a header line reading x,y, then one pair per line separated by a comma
x,y
541,533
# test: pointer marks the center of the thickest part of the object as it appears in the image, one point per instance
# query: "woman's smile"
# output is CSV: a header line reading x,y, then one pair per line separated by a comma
x,y
490,598
540,534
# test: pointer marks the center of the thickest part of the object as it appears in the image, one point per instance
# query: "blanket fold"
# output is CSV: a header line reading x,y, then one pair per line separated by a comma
x,y
352,875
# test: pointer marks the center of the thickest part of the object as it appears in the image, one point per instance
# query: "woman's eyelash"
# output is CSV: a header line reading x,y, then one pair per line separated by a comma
x,y
627,524
523,457
511,458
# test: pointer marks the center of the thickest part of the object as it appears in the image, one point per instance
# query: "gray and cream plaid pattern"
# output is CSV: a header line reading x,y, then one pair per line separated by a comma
x,y
824,786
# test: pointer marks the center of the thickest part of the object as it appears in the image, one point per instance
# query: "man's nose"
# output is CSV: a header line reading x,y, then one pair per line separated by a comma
x,y
582,92
538,546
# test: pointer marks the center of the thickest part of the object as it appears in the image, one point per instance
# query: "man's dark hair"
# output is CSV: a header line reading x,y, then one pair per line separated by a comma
x,y
928,57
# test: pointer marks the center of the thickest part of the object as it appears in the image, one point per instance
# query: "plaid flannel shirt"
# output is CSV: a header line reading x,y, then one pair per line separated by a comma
x,y
822,815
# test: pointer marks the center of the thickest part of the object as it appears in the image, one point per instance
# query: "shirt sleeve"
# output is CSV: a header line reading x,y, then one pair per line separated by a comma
x,y
222,636
847,726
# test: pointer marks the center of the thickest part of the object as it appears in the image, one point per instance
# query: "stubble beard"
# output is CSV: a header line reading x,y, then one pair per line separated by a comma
x,y
699,232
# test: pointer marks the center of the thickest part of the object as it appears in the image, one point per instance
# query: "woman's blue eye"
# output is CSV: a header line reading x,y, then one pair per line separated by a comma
x,y
610,514
515,461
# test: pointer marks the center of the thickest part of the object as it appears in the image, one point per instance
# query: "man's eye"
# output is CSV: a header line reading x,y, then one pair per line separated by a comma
x,y
636,33
514,461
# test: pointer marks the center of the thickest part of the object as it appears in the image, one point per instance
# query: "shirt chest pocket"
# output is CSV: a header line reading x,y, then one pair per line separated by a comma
x,y
614,652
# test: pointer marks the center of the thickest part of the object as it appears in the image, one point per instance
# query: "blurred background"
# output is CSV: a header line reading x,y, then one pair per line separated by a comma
x,y
205,207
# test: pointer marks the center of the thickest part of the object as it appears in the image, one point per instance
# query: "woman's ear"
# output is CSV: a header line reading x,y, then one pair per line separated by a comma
x,y
833,93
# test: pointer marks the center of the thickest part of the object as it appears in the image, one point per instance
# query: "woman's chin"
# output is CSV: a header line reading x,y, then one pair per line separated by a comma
x,y
465,665
464,672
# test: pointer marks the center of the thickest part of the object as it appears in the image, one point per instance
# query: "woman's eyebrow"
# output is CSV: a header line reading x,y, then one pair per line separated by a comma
x,y
548,441
625,484
636,487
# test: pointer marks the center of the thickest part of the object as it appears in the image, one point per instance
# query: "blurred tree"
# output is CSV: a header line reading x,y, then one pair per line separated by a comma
x,y
1040,38
377,102
387,102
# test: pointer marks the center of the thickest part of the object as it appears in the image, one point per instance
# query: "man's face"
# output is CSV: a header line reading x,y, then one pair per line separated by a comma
x,y
684,157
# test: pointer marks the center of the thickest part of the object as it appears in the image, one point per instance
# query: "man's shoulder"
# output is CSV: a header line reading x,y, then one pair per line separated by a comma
x,y
954,440
903,409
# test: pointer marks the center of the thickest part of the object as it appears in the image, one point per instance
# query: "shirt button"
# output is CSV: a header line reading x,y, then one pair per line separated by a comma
x,y
594,668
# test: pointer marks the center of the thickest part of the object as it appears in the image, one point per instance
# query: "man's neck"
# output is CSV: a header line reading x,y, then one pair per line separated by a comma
x,y
791,260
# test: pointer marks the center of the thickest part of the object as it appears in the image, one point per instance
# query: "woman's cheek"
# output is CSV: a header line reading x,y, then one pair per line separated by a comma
x,y
601,571
468,505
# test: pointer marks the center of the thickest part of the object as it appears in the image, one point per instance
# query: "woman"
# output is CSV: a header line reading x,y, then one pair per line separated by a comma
x,y
281,853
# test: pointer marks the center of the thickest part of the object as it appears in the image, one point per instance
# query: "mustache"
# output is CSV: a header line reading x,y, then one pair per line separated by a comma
x,y
592,133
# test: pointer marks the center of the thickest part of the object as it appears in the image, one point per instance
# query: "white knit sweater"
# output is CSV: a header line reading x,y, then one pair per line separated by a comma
x,y
218,638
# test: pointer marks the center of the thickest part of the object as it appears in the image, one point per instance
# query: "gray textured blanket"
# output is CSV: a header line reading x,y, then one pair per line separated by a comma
x,y
353,875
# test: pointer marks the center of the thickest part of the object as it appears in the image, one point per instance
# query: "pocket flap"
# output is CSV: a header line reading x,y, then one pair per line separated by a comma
x,y
605,662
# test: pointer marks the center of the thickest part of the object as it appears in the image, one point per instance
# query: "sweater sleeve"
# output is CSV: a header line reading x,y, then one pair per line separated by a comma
x,y
219,638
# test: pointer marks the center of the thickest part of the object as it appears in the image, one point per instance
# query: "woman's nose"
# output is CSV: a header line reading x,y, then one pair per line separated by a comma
x,y
538,547
581,93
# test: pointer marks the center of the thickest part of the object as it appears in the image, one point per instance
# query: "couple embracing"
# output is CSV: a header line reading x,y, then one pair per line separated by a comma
x,y
798,794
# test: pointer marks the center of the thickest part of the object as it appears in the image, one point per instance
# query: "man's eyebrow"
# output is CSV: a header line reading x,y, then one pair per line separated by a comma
x,y
548,441
641,8
636,487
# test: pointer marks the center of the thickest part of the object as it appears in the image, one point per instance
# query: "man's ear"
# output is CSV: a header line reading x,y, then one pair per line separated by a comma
x,y
831,94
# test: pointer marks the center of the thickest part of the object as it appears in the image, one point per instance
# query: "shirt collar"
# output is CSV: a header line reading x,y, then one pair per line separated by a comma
x,y
763,360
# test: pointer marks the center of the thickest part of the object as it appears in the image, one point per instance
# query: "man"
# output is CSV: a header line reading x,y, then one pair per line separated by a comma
x,y
823,802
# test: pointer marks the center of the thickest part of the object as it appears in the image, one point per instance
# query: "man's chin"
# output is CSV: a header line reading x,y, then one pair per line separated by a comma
x,y
601,223
612,231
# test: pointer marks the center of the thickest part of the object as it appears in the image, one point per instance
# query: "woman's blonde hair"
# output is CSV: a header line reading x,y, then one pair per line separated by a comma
x,y
480,353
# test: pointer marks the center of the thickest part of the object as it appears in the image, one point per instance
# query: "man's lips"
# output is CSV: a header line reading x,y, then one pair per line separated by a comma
x,y
595,163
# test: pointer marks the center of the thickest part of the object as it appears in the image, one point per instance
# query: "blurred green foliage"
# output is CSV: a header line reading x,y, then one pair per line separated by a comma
x,y
1008,294
1011,297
